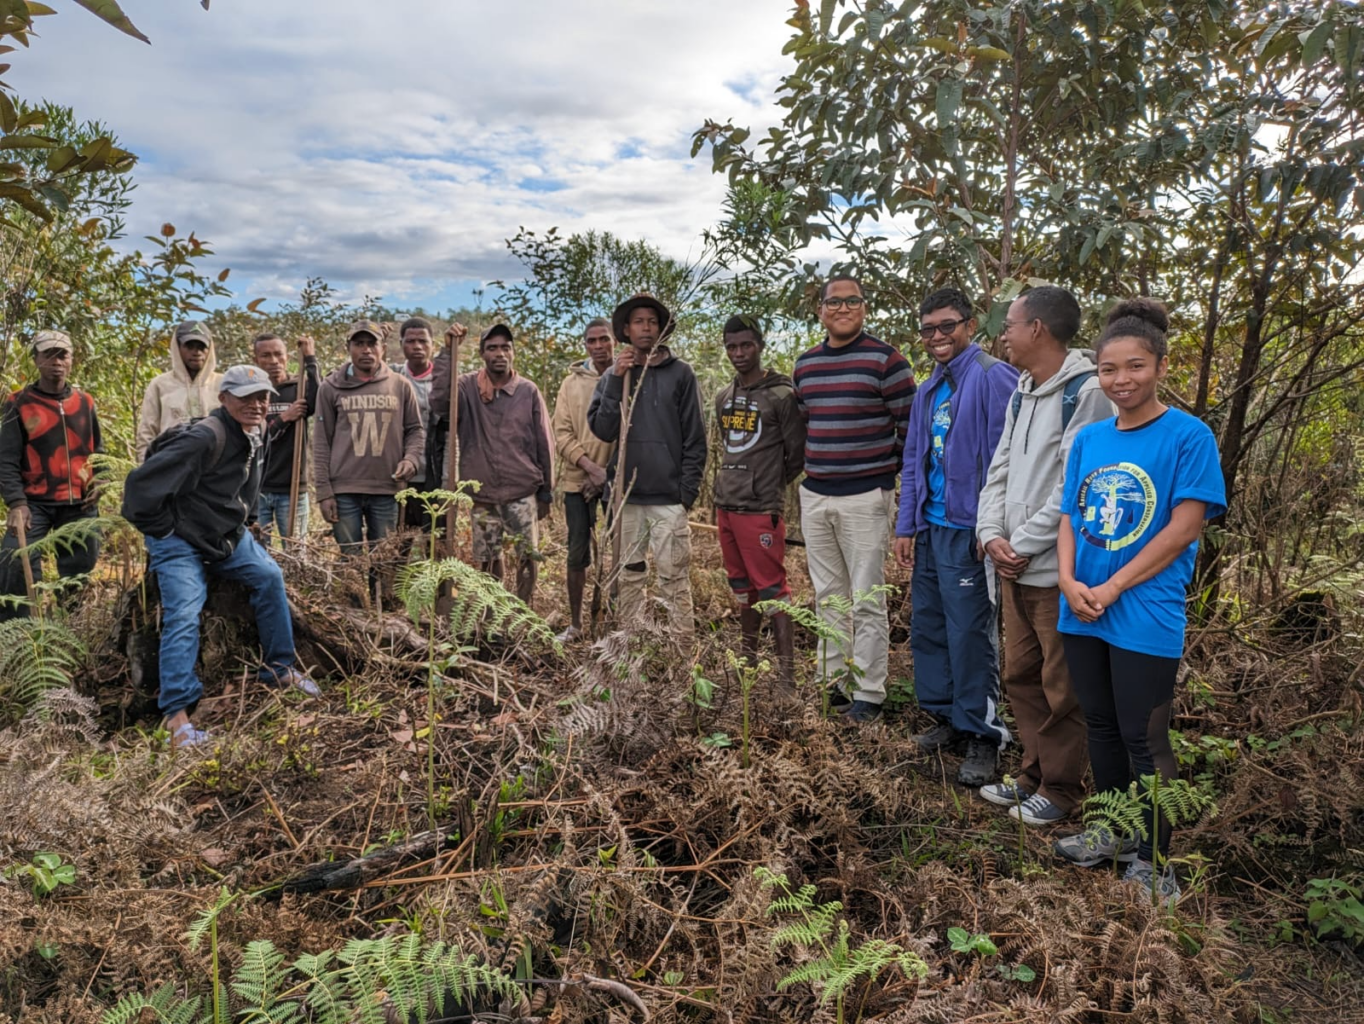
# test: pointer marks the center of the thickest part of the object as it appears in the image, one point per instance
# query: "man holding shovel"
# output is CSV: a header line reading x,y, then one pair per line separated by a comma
x,y
286,461
48,431
663,436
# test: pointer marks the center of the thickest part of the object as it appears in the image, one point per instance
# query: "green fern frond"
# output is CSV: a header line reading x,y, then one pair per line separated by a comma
x,y
802,899
260,977
479,604
36,655
1179,801
163,1006
75,534
1118,812
198,929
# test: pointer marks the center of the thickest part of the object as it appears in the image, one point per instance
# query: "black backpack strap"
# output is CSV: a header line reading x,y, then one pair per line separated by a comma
x,y
219,432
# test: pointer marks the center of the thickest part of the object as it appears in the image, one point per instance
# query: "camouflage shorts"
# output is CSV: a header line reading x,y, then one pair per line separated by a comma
x,y
516,522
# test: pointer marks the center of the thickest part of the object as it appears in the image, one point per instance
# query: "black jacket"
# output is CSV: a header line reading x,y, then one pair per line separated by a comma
x,y
665,451
180,490
279,436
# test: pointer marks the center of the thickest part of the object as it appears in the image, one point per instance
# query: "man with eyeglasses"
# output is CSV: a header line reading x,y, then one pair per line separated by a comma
x,y
956,423
855,391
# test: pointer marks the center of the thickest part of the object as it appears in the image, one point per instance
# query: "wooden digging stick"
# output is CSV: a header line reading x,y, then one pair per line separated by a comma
x,y
300,432
29,587
452,448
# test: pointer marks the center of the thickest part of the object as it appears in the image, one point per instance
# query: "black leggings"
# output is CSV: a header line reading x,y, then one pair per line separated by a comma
x,y
1126,700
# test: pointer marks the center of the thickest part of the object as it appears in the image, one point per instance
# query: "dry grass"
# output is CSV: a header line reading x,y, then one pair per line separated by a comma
x,y
589,823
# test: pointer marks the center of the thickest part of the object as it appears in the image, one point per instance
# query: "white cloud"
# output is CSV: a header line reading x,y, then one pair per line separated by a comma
x,y
390,147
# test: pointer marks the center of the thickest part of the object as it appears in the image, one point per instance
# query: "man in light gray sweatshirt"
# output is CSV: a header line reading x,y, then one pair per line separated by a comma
x,y
1020,509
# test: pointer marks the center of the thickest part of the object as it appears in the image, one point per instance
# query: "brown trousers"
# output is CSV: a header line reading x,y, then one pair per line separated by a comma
x,y
1036,681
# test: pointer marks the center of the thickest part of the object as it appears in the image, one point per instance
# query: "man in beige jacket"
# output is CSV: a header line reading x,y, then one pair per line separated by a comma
x,y
583,462
188,392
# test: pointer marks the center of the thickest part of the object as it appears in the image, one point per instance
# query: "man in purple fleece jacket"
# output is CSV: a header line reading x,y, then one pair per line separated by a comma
x,y
954,426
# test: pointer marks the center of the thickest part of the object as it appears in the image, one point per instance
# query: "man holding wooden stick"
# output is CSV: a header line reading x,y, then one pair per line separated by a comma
x,y
662,440
286,428
48,431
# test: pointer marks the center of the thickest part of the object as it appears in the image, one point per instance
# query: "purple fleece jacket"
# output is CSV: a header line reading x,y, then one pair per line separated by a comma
x,y
979,406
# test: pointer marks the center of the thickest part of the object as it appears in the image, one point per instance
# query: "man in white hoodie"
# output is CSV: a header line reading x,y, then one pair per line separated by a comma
x,y
188,392
1020,509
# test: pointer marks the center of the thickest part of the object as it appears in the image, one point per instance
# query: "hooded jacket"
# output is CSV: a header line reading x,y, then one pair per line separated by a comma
x,y
172,398
665,451
979,405
1021,500
762,439
504,444
181,490
364,429
45,446
573,438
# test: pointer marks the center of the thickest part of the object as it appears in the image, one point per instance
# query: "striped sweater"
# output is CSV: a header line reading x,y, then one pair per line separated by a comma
x,y
856,402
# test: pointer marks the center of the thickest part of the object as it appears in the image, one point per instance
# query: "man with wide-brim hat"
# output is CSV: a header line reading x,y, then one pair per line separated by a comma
x,y
665,455
192,499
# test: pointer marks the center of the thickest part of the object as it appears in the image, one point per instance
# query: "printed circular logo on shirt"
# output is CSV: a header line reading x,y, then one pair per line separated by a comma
x,y
741,424
1117,504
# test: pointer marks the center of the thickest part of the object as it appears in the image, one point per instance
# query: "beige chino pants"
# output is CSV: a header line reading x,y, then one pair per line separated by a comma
x,y
846,539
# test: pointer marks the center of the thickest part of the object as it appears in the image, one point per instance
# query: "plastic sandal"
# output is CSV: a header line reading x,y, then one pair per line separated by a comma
x,y
187,736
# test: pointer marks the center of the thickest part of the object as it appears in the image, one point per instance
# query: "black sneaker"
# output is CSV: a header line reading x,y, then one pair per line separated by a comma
x,y
863,712
981,764
941,737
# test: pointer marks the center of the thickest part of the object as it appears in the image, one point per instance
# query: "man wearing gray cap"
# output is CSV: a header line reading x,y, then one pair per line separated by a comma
x,y
192,498
188,392
48,431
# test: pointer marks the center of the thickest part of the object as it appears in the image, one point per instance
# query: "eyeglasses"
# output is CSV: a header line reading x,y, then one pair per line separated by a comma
x,y
851,302
944,328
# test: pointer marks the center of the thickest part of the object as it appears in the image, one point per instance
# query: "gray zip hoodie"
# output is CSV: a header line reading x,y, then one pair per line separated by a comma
x,y
1021,500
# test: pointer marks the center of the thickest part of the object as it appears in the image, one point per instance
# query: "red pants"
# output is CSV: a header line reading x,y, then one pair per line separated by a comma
x,y
754,548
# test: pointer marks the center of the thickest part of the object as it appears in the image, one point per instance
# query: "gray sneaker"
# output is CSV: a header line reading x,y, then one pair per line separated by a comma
x,y
1037,810
1095,846
1140,873
981,764
1004,794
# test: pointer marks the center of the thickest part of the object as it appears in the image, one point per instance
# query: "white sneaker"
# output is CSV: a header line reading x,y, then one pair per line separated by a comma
x,y
569,635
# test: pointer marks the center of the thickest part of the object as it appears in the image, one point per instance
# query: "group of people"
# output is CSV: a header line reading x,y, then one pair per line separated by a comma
x,y
1055,484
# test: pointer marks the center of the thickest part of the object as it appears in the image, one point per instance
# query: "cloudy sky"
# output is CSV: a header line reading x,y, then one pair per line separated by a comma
x,y
392,148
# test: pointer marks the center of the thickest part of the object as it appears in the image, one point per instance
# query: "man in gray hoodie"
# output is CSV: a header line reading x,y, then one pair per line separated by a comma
x,y
1019,511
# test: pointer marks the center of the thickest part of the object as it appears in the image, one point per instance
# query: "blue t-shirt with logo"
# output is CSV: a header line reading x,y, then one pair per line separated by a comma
x,y
1120,488
940,422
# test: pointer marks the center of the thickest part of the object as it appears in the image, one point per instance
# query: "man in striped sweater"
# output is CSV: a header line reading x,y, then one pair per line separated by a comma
x,y
856,392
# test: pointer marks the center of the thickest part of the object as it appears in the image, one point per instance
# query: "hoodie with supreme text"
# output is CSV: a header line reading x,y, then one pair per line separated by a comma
x,y
364,429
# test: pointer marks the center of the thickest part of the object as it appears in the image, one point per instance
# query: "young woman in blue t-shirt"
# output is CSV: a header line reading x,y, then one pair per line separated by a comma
x,y
1137,491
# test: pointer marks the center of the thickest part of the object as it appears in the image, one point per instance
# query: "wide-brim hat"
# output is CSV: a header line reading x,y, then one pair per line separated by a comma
x,y
623,311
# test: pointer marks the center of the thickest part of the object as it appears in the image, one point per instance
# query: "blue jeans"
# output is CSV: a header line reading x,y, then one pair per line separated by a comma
x,y
272,511
952,634
183,577
363,518
73,560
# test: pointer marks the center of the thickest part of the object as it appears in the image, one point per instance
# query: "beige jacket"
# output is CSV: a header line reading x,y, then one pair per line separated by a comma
x,y
173,398
572,437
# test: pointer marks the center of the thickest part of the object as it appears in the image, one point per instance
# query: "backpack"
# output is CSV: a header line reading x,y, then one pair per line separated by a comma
x,y
215,427
1070,398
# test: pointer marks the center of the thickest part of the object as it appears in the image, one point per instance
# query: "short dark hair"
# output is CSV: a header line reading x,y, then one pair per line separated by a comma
x,y
824,288
597,321
745,322
1147,320
1056,308
947,298
415,323
265,336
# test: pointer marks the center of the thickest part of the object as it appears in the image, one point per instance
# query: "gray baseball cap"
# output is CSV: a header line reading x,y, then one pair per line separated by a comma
x,y
193,330
240,381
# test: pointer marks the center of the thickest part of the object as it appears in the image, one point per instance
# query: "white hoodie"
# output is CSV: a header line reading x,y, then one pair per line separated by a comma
x,y
1021,500
173,398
